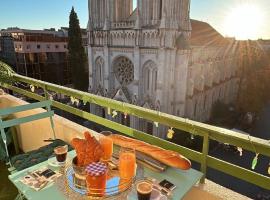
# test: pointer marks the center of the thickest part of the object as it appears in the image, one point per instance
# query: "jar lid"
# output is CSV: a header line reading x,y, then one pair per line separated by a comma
x,y
96,169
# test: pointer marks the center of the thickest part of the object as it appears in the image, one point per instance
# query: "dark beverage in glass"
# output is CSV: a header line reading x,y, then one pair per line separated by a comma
x,y
61,153
144,190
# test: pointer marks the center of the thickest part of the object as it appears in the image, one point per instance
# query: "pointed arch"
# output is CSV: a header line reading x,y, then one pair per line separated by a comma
x,y
99,71
150,76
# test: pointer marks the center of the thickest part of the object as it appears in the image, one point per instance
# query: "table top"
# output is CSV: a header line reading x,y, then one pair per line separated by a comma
x,y
183,180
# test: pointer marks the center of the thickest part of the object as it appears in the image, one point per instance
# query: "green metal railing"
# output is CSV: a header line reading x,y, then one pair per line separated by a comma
x,y
206,131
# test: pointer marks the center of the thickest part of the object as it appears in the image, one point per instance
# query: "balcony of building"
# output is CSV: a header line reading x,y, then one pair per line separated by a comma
x,y
66,130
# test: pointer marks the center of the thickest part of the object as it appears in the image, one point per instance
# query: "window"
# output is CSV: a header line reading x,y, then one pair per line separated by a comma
x,y
124,70
99,64
56,46
38,46
48,46
155,80
28,46
150,76
65,46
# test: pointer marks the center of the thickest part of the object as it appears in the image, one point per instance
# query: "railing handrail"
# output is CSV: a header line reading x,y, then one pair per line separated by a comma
x,y
207,131
197,128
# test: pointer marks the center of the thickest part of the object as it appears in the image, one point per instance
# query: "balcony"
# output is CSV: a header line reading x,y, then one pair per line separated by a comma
x,y
206,189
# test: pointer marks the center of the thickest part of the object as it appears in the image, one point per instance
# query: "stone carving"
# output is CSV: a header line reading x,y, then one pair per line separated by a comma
x,y
124,70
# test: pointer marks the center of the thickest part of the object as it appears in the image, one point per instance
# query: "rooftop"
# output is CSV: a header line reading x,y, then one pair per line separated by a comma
x,y
203,34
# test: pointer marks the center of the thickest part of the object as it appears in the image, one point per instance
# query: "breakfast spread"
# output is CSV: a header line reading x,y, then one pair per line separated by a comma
x,y
92,164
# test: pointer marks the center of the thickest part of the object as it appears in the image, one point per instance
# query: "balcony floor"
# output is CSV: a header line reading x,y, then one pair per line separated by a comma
x,y
7,190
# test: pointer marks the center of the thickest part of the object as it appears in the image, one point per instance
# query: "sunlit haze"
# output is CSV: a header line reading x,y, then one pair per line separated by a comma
x,y
244,21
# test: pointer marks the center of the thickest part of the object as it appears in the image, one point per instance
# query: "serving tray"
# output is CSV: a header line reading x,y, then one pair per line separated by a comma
x,y
75,188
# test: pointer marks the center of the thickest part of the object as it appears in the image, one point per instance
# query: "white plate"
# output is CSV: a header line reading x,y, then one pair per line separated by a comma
x,y
54,163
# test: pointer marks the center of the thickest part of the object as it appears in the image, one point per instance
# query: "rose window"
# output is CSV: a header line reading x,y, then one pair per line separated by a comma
x,y
124,70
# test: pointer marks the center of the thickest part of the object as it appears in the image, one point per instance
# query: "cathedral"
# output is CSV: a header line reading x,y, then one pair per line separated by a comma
x,y
150,56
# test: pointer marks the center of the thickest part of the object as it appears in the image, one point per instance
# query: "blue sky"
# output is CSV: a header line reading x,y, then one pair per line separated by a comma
x,y
39,14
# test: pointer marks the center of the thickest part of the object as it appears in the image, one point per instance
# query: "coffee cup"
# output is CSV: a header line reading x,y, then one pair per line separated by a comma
x,y
144,189
61,153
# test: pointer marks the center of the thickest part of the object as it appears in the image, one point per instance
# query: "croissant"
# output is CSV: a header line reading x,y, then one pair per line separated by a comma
x,y
88,150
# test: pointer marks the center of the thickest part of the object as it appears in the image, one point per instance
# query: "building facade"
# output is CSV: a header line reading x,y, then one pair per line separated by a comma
x,y
7,51
145,56
41,54
212,71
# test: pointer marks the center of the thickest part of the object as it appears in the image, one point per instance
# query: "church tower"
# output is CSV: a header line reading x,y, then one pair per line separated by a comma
x,y
108,11
140,56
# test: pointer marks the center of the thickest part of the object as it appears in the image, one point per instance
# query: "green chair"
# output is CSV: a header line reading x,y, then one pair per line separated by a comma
x,y
13,122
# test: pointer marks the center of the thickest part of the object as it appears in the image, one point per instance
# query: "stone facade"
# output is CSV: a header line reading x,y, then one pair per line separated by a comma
x,y
212,71
142,56
7,51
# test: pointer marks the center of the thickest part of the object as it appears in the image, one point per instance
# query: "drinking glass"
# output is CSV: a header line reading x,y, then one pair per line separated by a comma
x,y
107,145
61,153
144,189
127,163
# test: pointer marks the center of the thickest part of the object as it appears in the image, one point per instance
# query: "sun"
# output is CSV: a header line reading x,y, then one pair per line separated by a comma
x,y
244,22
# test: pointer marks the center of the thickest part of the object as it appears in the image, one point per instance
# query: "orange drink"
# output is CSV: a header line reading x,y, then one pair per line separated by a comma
x,y
127,163
107,146
96,178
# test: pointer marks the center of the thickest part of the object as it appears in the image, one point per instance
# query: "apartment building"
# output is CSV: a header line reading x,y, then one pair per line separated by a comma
x,y
41,54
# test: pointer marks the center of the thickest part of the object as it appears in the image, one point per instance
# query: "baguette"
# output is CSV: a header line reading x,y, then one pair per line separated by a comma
x,y
167,157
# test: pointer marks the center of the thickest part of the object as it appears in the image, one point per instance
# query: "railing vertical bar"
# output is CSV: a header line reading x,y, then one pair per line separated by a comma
x,y
204,156
49,109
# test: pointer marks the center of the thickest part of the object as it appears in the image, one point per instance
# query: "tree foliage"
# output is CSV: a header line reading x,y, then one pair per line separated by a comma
x,y
6,73
76,55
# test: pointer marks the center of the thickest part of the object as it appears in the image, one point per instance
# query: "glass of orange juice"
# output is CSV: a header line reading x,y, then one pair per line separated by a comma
x,y
107,146
127,163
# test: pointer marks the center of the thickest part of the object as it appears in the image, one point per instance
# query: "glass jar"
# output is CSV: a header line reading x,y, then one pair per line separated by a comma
x,y
96,179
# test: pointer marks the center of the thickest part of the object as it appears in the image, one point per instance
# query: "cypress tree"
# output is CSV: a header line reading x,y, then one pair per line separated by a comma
x,y
77,59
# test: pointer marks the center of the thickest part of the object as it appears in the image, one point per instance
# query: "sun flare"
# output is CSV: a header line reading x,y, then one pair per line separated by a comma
x,y
244,22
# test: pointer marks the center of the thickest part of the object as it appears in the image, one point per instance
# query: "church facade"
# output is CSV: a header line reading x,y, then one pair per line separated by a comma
x,y
144,56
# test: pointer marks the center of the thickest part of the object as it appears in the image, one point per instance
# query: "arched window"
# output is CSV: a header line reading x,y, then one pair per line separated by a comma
x,y
150,75
99,66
